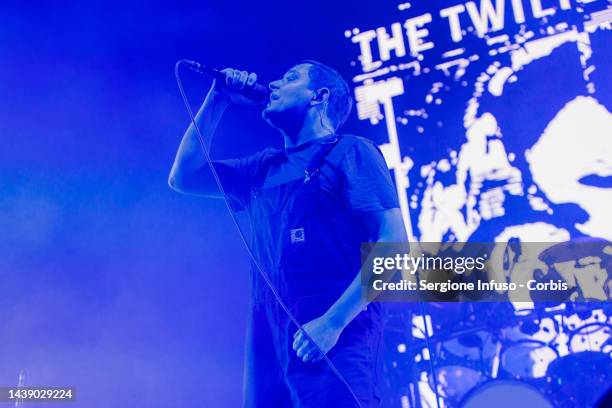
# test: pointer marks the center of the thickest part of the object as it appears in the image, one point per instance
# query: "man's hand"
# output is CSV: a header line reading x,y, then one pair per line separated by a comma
x,y
235,82
324,333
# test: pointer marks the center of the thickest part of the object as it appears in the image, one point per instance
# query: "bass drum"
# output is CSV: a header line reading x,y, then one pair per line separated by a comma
x,y
527,359
505,394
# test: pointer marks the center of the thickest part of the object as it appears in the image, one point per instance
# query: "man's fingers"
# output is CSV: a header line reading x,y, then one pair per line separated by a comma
x,y
242,79
239,79
235,78
306,356
229,73
297,342
303,348
297,335
298,339
251,79
312,354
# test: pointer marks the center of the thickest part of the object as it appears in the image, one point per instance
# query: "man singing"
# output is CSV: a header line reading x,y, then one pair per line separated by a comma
x,y
310,206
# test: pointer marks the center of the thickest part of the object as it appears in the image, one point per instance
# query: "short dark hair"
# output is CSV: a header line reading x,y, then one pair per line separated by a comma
x,y
340,101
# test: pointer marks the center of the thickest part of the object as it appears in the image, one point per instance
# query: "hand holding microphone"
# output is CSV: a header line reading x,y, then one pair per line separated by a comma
x,y
238,87
235,86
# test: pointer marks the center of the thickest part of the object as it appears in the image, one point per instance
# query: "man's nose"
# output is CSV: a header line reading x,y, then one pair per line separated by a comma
x,y
273,85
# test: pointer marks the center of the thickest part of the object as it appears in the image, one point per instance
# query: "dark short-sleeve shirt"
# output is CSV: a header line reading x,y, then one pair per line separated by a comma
x,y
356,173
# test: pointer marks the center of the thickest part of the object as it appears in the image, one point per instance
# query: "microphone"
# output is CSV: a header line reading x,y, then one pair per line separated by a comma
x,y
257,92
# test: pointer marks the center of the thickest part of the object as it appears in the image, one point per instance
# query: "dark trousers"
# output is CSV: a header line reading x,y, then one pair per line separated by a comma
x,y
275,377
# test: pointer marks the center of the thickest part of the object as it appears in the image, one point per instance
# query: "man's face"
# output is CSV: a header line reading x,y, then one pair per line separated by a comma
x,y
290,97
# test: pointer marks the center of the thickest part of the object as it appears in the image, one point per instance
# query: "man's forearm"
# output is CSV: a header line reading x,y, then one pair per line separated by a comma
x,y
353,301
189,158
348,305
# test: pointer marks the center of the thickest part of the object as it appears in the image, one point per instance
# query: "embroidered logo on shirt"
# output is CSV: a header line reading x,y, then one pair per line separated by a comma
x,y
297,235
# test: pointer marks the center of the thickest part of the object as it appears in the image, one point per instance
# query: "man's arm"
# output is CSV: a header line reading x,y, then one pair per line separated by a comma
x,y
190,173
326,329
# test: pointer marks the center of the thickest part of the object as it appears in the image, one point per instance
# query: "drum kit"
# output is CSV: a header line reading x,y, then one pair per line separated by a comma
x,y
548,356
498,354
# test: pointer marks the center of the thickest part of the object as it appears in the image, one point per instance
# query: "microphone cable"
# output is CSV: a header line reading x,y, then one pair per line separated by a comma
x,y
263,274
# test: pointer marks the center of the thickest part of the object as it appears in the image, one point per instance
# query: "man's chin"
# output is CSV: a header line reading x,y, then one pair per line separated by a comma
x,y
269,114
280,118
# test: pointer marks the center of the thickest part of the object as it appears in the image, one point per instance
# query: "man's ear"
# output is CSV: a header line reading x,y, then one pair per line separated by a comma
x,y
320,95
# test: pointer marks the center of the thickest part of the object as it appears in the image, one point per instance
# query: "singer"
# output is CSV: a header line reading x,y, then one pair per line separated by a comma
x,y
311,205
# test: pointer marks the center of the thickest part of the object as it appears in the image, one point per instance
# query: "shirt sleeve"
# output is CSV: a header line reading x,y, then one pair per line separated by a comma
x,y
367,185
237,177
